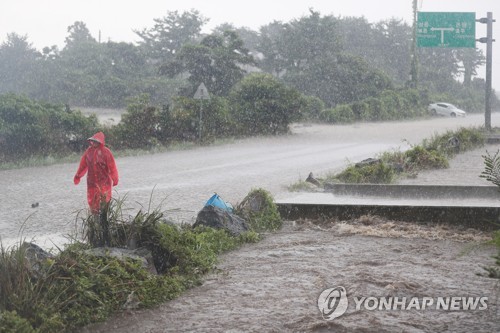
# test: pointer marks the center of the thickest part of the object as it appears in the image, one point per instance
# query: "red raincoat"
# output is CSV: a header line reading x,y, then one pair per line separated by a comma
x,y
102,172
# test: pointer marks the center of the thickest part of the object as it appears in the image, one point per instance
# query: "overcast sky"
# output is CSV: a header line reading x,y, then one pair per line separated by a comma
x,y
45,22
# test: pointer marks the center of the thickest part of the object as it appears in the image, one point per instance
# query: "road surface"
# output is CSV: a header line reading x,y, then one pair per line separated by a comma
x,y
181,181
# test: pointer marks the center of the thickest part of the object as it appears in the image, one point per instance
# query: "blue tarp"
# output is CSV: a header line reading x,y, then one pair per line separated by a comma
x,y
216,201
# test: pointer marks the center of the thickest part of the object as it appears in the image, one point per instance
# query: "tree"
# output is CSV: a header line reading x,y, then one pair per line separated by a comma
x,y
308,55
170,33
78,34
438,68
18,63
263,105
293,47
471,60
216,61
393,47
272,49
338,80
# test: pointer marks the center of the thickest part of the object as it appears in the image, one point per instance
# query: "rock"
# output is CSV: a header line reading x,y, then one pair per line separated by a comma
x,y
35,255
142,255
218,218
312,180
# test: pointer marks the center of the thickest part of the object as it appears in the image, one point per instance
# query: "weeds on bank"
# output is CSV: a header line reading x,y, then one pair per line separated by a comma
x,y
432,153
77,286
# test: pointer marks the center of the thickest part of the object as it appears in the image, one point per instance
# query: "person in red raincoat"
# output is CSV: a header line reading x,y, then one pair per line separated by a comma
x,y
99,164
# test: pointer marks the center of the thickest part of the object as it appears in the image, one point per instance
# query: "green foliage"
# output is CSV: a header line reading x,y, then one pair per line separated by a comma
x,y
11,322
339,60
260,211
29,128
420,158
312,108
491,173
193,252
184,119
77,287
170,33
468,139
431,154
217,61
491,170
138,126
388,105
263,105
377,173
342,114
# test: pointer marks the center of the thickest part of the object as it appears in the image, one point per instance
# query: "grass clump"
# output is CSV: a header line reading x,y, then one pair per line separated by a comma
x,y
377,173
10,321
431,154
260,211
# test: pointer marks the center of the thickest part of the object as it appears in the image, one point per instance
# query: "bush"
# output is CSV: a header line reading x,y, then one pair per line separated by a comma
x,y
468,138
260,104
361,111
420,158
341,114
29,128
260,211
313,108
377,173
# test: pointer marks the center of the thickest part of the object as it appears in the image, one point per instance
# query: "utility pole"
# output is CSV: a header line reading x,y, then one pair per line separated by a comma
x,y
414,59
489,60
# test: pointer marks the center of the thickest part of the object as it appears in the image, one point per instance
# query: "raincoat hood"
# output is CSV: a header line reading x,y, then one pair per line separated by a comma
x,y
98,137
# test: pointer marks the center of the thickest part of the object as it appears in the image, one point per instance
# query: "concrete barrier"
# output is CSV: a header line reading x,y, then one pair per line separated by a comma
x,y
469,206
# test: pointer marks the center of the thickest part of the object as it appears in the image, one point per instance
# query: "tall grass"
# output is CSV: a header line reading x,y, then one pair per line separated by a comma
x,y
62,292
432,153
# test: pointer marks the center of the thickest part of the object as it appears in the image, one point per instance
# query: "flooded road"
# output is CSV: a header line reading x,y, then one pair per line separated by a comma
x,y
273,286
181,181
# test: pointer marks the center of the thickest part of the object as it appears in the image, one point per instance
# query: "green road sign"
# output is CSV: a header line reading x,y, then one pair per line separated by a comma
x,y
453,30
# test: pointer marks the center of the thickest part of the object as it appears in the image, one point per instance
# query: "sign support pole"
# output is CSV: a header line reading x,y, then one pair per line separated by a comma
x,y
489,61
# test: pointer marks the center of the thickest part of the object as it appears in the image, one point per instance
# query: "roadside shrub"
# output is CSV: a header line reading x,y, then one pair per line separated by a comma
x,y
29,128
260,211
313,108
184,119
377,173
420,158
377,109
261,104
468,138
341,114
361,110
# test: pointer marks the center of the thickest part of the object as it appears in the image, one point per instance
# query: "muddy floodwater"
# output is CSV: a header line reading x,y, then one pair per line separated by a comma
x,y
274,285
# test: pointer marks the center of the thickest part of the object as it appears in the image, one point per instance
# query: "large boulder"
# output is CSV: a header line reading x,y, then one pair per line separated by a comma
x,y
218,218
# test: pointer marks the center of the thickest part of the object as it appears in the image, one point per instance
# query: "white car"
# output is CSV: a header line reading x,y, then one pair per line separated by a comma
x,y
446,109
